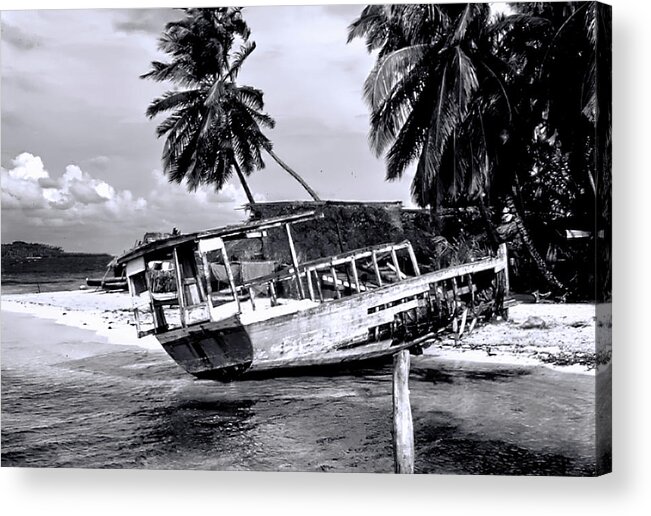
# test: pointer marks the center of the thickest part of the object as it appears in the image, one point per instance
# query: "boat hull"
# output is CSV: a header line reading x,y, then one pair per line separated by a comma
x,y
108,284
362,327
226,355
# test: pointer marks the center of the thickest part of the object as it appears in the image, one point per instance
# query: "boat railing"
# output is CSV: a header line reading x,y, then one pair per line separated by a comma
x,y
307,274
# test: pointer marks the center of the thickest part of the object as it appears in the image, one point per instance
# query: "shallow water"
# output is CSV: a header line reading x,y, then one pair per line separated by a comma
x,y
70,399
45,281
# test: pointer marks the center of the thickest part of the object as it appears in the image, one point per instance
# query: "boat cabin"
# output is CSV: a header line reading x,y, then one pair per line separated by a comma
x,y
220,274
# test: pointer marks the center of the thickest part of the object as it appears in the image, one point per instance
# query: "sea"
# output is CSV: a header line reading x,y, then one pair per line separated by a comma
x,y
51,274
71,399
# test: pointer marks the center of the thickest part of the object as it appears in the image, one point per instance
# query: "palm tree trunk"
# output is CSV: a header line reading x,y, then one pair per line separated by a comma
x,y
293,173
245,185
490,227
528,243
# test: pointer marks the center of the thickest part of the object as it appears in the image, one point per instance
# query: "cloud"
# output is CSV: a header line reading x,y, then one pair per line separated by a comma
x,y
146,21
169,199
92,215
19,38
28,187
99,162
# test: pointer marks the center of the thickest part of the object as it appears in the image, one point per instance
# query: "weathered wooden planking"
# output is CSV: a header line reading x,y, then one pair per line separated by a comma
x,y
331,356
312,333
320,328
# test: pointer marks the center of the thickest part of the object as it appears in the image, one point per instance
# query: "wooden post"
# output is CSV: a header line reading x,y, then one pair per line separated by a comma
x,y
335,282
206,273
446,298
180,294
503,254
355,275
455,293
272,291
310,287
377,268
437,299
297,273
252,296
318,284
471,287
231,279
412,257
394,259
403,428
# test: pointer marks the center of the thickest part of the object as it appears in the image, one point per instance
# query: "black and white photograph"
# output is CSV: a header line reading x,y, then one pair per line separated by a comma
x,y
308,238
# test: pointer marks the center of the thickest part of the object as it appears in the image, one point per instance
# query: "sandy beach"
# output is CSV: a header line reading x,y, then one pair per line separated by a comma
x,y
560,336
106,313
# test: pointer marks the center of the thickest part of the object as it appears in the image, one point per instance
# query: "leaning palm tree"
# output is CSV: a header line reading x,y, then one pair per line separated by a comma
x,y
216,126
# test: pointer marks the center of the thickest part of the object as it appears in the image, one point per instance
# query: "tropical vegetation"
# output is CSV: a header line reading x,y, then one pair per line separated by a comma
x,y
510,111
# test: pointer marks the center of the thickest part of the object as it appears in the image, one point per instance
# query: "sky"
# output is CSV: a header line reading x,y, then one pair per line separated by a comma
x,y
81,163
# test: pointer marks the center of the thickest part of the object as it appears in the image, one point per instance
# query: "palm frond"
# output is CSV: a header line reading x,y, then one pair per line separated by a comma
x,y
239,57
172,100
372,24
410,139
391,69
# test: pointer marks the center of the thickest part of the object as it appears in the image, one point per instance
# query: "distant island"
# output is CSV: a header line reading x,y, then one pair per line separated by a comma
x,y
20,250
24,250
22,256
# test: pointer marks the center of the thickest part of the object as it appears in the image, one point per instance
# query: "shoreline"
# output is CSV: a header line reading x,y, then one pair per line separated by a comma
x,y
106,314
559,337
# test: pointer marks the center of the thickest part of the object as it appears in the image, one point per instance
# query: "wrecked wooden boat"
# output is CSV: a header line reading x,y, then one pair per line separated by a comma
x,y
222,315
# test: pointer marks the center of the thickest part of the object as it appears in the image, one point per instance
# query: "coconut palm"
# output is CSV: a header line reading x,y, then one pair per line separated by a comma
x,y
216,125
421,88
440,98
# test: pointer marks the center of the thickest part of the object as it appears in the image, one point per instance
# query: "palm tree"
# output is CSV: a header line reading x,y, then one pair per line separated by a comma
x,y
420,90
439,97
216,125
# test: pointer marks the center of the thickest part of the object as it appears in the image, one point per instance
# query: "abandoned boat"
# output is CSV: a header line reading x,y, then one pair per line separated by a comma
x,y
114,278
222,314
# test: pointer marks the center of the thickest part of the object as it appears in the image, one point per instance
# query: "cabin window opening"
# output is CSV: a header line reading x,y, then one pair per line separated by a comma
x,y
162,277
138,283
217,275
380,332
191,293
